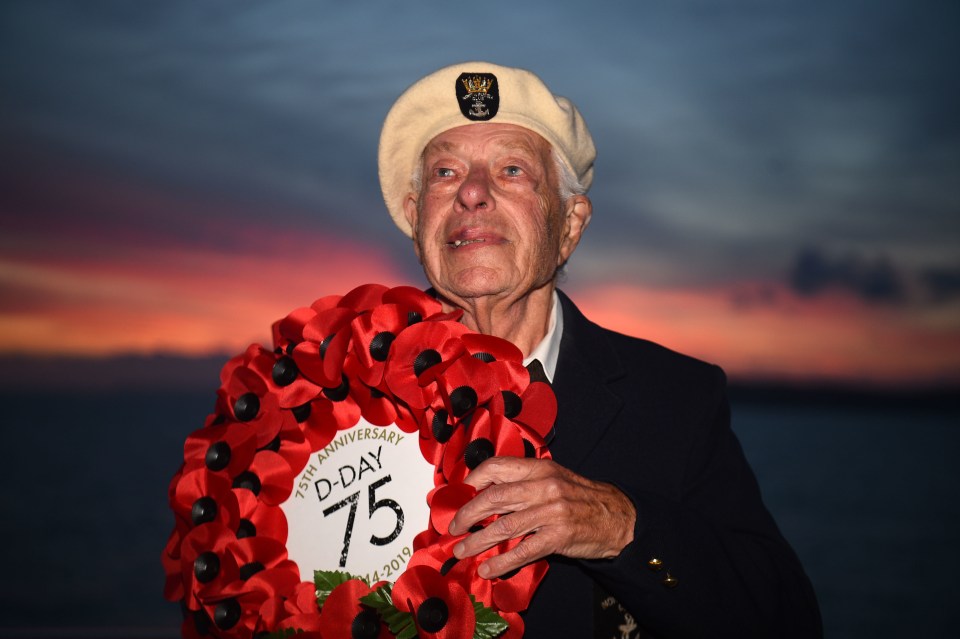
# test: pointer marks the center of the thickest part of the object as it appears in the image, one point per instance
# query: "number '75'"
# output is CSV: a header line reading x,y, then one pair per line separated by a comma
x,y
375,505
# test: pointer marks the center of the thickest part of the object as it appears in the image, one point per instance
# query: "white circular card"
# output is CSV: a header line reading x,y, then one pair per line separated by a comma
x,y
359,502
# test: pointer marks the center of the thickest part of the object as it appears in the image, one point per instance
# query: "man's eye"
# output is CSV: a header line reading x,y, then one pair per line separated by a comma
x,y
444,172
513,170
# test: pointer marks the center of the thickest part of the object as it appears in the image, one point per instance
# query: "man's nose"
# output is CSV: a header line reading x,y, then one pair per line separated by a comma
x,y
474,193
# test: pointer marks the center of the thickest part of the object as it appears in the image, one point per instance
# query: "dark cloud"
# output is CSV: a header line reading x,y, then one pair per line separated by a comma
x,y
725,130
876,279
873,280
942,284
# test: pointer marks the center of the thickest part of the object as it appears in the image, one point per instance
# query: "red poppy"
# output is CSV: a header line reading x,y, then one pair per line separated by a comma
x,y
465,385
363,297
436,430
425,539
298,611
439,556
280,373
376,407
227,448
304,599
489,348
515,626
205,565
326,302
510,378
441,607
259,519
255,554
304,625
417,305
245,397
269,477
289,330
182,520
327,338
172,486
342,613
315,423
445,501
412,366
340,406
512,592
196,625
235,611
408,419
291,444
537,412
373,335
487,436
203,497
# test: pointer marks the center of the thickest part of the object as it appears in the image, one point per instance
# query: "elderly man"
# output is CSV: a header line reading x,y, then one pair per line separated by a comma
x,y
649,514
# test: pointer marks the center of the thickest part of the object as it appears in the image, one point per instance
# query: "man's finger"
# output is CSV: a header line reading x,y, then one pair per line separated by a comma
x,y
508,527
502,470
527,551
496,499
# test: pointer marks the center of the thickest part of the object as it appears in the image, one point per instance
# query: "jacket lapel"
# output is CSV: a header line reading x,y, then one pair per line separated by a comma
x,y
586,404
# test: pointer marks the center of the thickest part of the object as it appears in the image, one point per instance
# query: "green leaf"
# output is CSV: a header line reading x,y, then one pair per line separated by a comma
x,y
409,632
400,623
489,623
327,580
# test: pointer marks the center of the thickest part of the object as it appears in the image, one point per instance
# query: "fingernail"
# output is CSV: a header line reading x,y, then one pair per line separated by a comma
x,y
483,571
458,550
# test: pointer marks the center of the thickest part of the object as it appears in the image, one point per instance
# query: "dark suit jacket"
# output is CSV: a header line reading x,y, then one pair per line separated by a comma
x,y
657,425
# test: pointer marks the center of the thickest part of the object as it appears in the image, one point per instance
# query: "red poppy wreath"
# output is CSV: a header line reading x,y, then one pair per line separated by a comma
x,y
307,459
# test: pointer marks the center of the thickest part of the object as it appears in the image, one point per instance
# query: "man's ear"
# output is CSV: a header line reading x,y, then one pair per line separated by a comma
x,y
578,209
411,213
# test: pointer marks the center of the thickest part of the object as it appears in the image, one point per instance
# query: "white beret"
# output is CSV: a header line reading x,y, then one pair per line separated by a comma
x,y
468,93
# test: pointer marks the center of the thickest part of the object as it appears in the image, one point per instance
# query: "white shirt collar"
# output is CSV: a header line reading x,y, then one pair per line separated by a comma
x,y
548,350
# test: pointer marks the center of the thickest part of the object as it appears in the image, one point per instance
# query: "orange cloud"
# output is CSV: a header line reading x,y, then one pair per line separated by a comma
x,y
198,300
178,300
786,337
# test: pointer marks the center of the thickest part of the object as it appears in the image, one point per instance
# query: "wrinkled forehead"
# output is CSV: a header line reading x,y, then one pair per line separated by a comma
x,y
499,138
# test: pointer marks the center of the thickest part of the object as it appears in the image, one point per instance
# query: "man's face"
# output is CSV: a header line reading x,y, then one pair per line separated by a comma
x,y
488,219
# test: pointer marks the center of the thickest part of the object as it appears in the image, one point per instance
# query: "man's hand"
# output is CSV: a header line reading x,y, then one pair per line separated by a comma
x,y
569,514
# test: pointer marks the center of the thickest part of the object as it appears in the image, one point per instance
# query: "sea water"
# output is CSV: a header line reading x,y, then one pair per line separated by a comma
x,y
868,496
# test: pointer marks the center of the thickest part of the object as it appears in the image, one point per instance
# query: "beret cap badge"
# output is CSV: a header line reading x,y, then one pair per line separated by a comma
x,y
478,95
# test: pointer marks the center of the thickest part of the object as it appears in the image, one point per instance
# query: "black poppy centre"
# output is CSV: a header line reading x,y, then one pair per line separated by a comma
x,y
432,614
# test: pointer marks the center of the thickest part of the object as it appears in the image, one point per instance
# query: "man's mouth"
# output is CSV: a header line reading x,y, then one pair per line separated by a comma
x,y
458,243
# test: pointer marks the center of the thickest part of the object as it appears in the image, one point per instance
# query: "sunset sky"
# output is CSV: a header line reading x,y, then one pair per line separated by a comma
x,y
776,185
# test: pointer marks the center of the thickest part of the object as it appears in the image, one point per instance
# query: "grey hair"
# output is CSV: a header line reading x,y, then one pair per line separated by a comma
x,y
416,180
567,183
